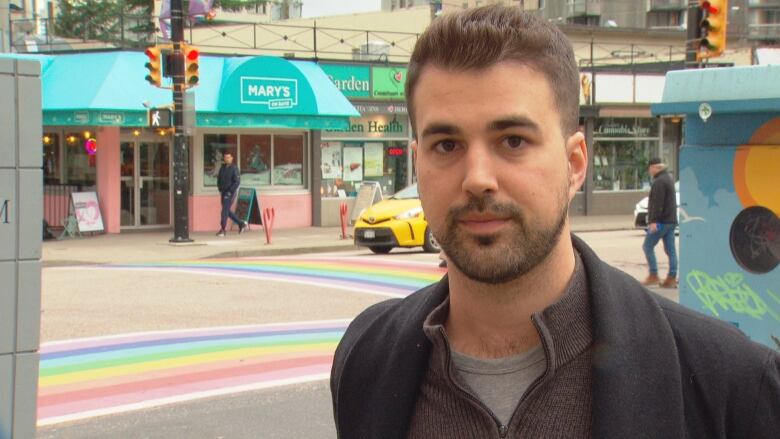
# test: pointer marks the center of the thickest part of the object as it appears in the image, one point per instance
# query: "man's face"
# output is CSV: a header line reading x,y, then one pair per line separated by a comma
x,y
228,157
654,169
495,172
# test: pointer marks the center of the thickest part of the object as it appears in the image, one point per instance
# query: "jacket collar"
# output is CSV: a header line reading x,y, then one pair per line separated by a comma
x,y
636,375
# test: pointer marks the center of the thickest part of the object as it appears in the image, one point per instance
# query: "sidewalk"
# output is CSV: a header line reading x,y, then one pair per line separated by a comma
x,y
142,246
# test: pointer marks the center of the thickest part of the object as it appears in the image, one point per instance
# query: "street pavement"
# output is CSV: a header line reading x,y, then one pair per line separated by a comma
x,y
132,247
231,327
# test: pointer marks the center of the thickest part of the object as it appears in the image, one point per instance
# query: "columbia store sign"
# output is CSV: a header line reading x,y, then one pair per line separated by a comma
x,y
275,93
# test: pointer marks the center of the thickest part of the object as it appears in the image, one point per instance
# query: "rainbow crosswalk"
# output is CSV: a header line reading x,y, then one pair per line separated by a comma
x,y
367,275
84,378
90,377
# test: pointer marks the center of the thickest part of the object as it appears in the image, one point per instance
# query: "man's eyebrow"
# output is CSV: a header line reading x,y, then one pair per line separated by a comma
x,y
440,128
513,122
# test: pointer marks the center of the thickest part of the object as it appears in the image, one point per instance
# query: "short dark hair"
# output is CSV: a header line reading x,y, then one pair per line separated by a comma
x,y
654,161
478,38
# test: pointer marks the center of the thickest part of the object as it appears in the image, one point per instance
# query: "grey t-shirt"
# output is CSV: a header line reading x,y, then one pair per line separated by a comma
x,y
500,383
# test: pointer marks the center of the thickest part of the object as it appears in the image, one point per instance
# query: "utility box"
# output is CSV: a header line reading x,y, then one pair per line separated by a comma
x,y
729,170
21,231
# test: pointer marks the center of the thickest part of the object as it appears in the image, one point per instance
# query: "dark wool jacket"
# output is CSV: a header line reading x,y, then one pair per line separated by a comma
x,y
662,204
659,370
228,179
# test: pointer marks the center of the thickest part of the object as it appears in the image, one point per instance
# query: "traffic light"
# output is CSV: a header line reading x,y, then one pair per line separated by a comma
x,y
191,73
154,66
712,28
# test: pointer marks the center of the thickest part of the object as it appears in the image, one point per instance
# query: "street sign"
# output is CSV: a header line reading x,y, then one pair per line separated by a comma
x,y
160,117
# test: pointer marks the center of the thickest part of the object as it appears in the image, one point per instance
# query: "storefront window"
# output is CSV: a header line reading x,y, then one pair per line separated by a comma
x,y
51,158
288,160
259,157
214,146
345,165
255,161
79,165
622,147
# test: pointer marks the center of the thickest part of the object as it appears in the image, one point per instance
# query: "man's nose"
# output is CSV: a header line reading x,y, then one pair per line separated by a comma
x,y
480,172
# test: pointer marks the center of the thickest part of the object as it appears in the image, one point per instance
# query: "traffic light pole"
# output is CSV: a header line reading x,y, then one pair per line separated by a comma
x,y
693,35
181,174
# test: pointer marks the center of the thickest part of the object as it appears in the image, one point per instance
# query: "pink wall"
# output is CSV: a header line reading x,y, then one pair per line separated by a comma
x,y
291,211
55,208
108,178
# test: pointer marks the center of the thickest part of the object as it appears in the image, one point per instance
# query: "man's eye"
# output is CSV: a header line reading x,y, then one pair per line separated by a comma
x,y
514,142
446,146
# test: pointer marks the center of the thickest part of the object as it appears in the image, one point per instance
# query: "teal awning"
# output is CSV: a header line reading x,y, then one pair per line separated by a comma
x,y
109,89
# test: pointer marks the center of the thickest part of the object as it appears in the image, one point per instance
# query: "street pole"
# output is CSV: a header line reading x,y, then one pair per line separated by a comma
x,y
181,177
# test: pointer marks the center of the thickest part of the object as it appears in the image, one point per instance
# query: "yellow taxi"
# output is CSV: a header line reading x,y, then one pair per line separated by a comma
x,y
398,221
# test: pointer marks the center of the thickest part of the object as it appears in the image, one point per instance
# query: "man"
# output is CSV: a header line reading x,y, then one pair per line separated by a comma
x,y
661,222
228,181
530,334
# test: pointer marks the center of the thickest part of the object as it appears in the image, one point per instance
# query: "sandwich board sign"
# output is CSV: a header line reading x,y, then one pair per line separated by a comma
x,y
87,211
247,206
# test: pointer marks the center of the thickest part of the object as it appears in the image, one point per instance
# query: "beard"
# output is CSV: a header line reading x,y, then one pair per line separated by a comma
x,y
495,259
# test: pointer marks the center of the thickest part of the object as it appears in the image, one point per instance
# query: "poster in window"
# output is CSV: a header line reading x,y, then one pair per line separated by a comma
x,y
331,160
374,159
212,159
353,163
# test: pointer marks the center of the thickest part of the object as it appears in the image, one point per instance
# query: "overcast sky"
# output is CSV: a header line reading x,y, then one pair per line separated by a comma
x,y
321,8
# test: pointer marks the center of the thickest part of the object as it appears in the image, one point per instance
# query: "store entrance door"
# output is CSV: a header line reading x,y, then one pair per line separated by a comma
x,y
146,183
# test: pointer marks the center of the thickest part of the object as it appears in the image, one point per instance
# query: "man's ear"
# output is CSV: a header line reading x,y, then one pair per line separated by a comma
x,y
577,156
413,145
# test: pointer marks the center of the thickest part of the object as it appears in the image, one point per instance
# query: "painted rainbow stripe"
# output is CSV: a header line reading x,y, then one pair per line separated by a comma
x,y
366,275
90,377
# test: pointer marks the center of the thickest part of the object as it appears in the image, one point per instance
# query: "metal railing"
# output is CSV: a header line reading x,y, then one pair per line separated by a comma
x,y
668,5
56,202
764,31
326,43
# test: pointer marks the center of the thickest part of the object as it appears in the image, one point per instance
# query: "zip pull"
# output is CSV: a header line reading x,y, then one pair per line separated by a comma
x,y
503,430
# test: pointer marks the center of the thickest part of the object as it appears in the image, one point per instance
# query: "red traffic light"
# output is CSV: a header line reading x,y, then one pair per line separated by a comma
x,y
192,55
152,53
707,6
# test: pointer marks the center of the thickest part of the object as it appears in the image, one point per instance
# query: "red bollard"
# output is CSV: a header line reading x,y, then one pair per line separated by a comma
x,y
343,213
268,222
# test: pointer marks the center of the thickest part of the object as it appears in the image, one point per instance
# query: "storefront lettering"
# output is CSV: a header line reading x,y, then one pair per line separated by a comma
x,y
270,91
391,127
351,84
613,129
276,93
4,212
373,126
111,117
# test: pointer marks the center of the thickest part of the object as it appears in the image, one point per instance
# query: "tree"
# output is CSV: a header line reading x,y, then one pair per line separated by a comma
x,y
125,22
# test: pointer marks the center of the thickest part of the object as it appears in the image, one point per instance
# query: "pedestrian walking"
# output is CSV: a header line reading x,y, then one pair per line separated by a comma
x,y
228,181
529,334
661,223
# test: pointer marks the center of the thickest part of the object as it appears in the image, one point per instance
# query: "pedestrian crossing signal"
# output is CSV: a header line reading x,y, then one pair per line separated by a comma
x,y
712,28
154,66
191,67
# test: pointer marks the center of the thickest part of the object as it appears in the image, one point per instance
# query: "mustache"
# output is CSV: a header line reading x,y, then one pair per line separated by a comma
x,y
484,205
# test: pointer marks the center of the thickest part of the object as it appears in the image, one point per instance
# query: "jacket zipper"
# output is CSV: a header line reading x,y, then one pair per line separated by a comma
x,y
502,429
538,381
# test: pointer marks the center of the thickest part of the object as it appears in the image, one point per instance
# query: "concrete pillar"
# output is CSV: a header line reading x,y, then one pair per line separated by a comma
x,y
108,178
21,217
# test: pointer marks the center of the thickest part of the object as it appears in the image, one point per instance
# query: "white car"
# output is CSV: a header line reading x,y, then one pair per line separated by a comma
x,y
640,210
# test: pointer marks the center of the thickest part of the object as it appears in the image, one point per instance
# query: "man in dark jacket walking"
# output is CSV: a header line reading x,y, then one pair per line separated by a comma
x,y
228,181
529,335
661,222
